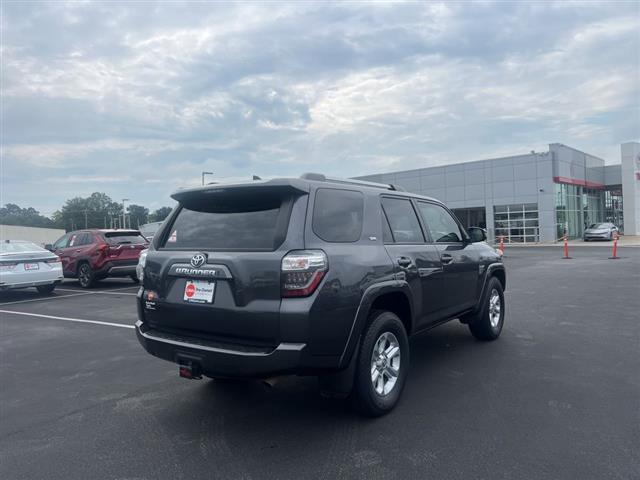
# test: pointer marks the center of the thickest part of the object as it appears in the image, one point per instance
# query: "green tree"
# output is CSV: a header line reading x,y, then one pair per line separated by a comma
x,y
138,215
95,211
160,214
12,214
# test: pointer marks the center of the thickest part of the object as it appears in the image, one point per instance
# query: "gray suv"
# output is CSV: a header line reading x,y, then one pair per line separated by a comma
x,y
312,276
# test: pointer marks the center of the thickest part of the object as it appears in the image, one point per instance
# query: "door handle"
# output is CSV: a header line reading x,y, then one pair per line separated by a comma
x,y
404,262
79,250
446,258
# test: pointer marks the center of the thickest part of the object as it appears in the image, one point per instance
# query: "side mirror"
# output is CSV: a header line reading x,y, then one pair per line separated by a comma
x,y
477,234
48,246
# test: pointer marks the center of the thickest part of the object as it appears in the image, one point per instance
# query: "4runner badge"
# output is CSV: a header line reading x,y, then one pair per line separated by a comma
x,y
198,260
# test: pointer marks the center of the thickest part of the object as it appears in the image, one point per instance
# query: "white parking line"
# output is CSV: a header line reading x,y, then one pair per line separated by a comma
x,y
106,292
67,319
45,298
113,291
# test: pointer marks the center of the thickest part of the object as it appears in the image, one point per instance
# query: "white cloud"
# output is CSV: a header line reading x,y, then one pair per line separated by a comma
x,y
128,97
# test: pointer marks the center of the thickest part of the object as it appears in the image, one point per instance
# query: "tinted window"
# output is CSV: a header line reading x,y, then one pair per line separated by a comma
x,y
337,215
403,221
386,230
124,238
73,240
254,228
440,224
62,242
83,239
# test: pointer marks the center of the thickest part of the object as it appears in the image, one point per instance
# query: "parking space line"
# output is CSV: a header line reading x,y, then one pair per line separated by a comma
x,y
45,298
67,319
106,292
114,291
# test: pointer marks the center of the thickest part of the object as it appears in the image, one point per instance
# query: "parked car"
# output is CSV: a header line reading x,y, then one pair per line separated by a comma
x,y
91,255
600,231
25,264
312,276
148,230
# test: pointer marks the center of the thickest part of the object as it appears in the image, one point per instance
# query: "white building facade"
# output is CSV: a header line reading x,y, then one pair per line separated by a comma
x,y
535,197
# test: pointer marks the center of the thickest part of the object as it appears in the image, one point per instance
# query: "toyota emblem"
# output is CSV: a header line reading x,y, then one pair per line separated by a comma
x,y
198,260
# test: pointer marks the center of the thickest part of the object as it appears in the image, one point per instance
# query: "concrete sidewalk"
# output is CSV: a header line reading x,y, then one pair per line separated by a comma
x,y
624,241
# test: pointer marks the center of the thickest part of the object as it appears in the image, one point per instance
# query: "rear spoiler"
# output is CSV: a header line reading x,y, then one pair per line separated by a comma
x,y
233,196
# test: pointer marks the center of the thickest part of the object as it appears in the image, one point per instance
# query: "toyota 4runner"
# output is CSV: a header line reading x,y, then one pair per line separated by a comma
x,y
312,276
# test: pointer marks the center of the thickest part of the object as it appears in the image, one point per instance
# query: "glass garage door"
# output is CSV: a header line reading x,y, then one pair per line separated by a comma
x,y
517,223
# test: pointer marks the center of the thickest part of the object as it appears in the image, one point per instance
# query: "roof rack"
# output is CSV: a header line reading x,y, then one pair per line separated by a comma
x,y
319,177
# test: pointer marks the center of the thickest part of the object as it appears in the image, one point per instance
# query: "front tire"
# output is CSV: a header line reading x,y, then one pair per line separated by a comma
x,y
487,324
86,277
383,363
46,289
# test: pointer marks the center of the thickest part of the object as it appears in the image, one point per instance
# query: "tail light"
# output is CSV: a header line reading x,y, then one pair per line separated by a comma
x,y
142,261
53,261
302,272
7,267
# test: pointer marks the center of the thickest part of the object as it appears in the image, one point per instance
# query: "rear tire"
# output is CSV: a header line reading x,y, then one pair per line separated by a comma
x,y
86,277
46,289
487,323
382,365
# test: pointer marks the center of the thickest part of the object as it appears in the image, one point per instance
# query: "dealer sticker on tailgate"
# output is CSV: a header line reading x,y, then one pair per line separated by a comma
x,y
199,291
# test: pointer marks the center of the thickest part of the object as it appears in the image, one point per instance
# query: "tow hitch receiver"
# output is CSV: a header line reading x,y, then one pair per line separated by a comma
x,y
191,371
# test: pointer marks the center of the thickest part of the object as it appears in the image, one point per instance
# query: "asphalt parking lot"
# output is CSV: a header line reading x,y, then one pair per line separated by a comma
x,y
557,396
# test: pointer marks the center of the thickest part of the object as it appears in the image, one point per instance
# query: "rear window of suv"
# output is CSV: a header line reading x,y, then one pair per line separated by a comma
x,y
255,227
121,238
337,215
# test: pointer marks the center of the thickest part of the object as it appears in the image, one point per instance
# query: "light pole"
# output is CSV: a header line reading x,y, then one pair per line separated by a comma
x,y
205,173
124,213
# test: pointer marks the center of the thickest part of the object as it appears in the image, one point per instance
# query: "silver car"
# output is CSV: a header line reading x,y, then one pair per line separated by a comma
x,y
25,264
600,231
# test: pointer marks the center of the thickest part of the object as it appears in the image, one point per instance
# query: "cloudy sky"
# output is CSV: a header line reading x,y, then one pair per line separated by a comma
x,y
136,99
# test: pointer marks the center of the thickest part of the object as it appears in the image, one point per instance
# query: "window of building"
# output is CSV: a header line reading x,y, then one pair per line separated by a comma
x,y
576,208
613,207
517,223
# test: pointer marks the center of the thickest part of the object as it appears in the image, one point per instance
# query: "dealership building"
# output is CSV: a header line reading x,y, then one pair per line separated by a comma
x,y
535,197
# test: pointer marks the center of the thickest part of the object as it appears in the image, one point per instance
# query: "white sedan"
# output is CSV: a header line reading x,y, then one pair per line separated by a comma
x,y
25,264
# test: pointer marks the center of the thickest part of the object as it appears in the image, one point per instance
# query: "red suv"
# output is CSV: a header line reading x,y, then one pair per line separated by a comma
x,y
90,255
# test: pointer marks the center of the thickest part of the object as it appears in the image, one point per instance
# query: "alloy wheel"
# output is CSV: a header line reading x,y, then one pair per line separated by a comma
x,y
385,363
495,305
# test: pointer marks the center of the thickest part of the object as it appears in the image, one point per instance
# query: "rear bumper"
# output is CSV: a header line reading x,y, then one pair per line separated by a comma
x,y
10,286
117,269
11,280
222,359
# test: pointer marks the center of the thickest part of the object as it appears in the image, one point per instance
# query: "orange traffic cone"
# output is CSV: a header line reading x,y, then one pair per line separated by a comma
x,y
566,248
615,248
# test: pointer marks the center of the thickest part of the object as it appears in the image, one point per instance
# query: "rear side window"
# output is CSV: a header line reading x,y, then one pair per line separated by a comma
x,y
387,237
120,238
255,227
402,220
337,215
83,239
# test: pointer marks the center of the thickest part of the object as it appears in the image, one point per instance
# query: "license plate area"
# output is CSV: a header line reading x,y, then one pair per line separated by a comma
x,y
31,266
199,291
